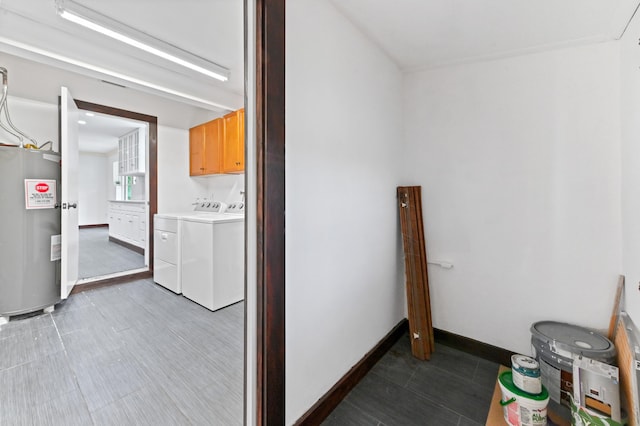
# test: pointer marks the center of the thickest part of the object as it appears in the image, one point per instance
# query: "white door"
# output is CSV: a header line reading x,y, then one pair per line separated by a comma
x,y
69,155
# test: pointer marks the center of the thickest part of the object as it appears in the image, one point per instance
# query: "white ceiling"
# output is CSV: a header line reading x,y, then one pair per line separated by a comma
x,y
416,34
211,29
421,34
100,132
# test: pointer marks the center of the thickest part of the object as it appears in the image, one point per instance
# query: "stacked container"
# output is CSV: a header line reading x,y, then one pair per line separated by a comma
x,y
524,399
526,374
554,345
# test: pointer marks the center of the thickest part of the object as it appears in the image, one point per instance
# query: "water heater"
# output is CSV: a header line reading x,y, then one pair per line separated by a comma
x,y
29,230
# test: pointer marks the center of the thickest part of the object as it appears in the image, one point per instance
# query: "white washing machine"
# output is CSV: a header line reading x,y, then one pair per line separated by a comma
x,y
213,258
167,239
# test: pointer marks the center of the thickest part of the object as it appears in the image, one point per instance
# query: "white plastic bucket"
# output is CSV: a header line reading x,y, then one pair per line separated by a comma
x,y
519,407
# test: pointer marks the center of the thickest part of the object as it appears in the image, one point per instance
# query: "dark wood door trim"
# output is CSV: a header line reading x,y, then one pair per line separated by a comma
x,y
152,163
270,135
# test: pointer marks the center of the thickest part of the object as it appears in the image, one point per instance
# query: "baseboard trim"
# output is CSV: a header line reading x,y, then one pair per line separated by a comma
x,y
127,245
97,225
111,281
325,405
475,347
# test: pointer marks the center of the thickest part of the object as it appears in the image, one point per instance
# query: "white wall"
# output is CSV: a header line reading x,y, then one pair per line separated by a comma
x,y
344,291
37,119
94,171
138,191
630,117
519,162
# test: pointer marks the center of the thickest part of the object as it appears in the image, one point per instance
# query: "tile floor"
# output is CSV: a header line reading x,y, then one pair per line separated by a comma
x,y
453,388
138,354
132,354
99,256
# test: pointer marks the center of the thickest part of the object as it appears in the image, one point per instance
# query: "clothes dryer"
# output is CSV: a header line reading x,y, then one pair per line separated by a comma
x,y
212,264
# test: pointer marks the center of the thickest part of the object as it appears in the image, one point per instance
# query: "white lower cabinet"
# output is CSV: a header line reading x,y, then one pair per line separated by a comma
x,y
128,222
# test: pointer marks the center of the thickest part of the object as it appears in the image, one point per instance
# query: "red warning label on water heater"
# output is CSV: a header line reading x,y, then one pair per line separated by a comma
x,y
42,187
39,193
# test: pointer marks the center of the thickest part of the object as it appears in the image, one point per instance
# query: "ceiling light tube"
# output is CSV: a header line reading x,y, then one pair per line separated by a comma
x,y
114,74
102,24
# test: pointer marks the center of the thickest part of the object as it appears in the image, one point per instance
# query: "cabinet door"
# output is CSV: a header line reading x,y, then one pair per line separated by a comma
x,y
121,165
127,154
234,142
240,149
134,152
133,227
213,145
112,222
142,228
131,153
196,150
119,225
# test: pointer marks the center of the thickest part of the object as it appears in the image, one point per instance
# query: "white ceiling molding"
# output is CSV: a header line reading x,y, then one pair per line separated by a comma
x,y
622,17
424,34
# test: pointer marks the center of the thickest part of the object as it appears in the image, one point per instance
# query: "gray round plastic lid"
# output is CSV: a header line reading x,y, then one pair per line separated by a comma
x,y
572,338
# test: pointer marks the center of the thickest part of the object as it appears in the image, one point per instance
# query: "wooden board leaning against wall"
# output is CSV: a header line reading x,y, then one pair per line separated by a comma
x,y
217,146
417,281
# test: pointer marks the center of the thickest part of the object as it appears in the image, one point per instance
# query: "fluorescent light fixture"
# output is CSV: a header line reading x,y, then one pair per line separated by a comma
x,y
82,122
89,114
102,24
104,71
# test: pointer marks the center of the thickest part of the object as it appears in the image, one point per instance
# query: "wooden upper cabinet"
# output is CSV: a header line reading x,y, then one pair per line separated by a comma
x,y
196,150
233,161
205,148
217,146
214,133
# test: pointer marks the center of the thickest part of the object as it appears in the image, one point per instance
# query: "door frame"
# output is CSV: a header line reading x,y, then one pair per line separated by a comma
x,y
270,209
152,174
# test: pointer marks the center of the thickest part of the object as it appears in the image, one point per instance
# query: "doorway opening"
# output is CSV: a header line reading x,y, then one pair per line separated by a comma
x,y
126,239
